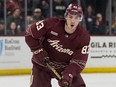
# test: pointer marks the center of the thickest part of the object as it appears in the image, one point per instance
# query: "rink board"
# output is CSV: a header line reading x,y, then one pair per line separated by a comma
x,y
28,71
15,56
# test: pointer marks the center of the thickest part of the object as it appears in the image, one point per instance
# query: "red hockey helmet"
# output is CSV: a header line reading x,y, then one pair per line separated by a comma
x,y
74,9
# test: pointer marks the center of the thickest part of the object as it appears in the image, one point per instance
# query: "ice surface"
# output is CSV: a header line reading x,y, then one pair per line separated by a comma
x,y
91,80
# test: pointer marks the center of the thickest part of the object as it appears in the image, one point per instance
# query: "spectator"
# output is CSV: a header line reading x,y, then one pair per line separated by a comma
x,y
29,19
1,28
114,26
10,5
31,5
44,6
13,31
89,19
13,3
37,15
17,18
100,27
20,3
59,7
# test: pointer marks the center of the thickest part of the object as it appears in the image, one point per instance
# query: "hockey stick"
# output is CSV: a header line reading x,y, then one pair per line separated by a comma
x,y
55,72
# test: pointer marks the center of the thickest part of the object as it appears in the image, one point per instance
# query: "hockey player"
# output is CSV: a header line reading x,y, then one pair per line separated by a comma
x,y
63,44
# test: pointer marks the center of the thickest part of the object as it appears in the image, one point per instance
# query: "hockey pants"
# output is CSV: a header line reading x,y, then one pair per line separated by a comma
x,y
42,78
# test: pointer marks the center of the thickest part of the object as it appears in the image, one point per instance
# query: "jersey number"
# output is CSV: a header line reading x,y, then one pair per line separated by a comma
x,y
85,50
39,25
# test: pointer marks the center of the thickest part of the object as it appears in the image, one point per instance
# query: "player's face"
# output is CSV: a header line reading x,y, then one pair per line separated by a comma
x,y
72,23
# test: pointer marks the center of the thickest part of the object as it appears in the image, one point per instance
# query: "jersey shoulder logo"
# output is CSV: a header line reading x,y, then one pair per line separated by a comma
x,y
54,33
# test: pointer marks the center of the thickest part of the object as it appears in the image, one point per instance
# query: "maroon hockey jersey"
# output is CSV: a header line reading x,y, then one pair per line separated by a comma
x,y
58,45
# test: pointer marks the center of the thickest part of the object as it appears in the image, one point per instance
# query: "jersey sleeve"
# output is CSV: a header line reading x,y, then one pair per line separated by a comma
x,y
38,29
80,56
33,37
33,34
35,31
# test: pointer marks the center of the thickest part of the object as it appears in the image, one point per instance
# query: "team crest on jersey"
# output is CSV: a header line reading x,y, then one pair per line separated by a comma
x,y
54,33
55,44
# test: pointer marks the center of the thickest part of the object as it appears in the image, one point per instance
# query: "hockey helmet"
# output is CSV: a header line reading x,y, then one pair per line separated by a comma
x,y
74,8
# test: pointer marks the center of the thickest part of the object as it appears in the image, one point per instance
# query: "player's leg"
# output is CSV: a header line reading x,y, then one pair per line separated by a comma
x,y
78,81
40,78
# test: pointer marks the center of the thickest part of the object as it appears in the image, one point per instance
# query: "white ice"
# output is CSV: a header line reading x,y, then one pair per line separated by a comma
x,y
91,80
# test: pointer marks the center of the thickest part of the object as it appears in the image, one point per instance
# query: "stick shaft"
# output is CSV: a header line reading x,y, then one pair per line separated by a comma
x,y
54,71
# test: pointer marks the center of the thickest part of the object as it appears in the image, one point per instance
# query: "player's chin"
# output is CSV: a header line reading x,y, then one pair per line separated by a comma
x,y
72,31
73,28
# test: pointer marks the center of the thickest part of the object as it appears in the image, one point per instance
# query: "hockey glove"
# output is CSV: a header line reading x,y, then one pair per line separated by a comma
x,y
41,60
66,80
45,61
40,56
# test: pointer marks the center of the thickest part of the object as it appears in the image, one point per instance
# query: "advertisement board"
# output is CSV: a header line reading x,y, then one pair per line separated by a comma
x,y
15,55
102,52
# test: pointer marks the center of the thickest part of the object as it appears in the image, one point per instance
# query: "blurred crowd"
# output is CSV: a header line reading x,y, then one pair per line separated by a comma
x,y
16,23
